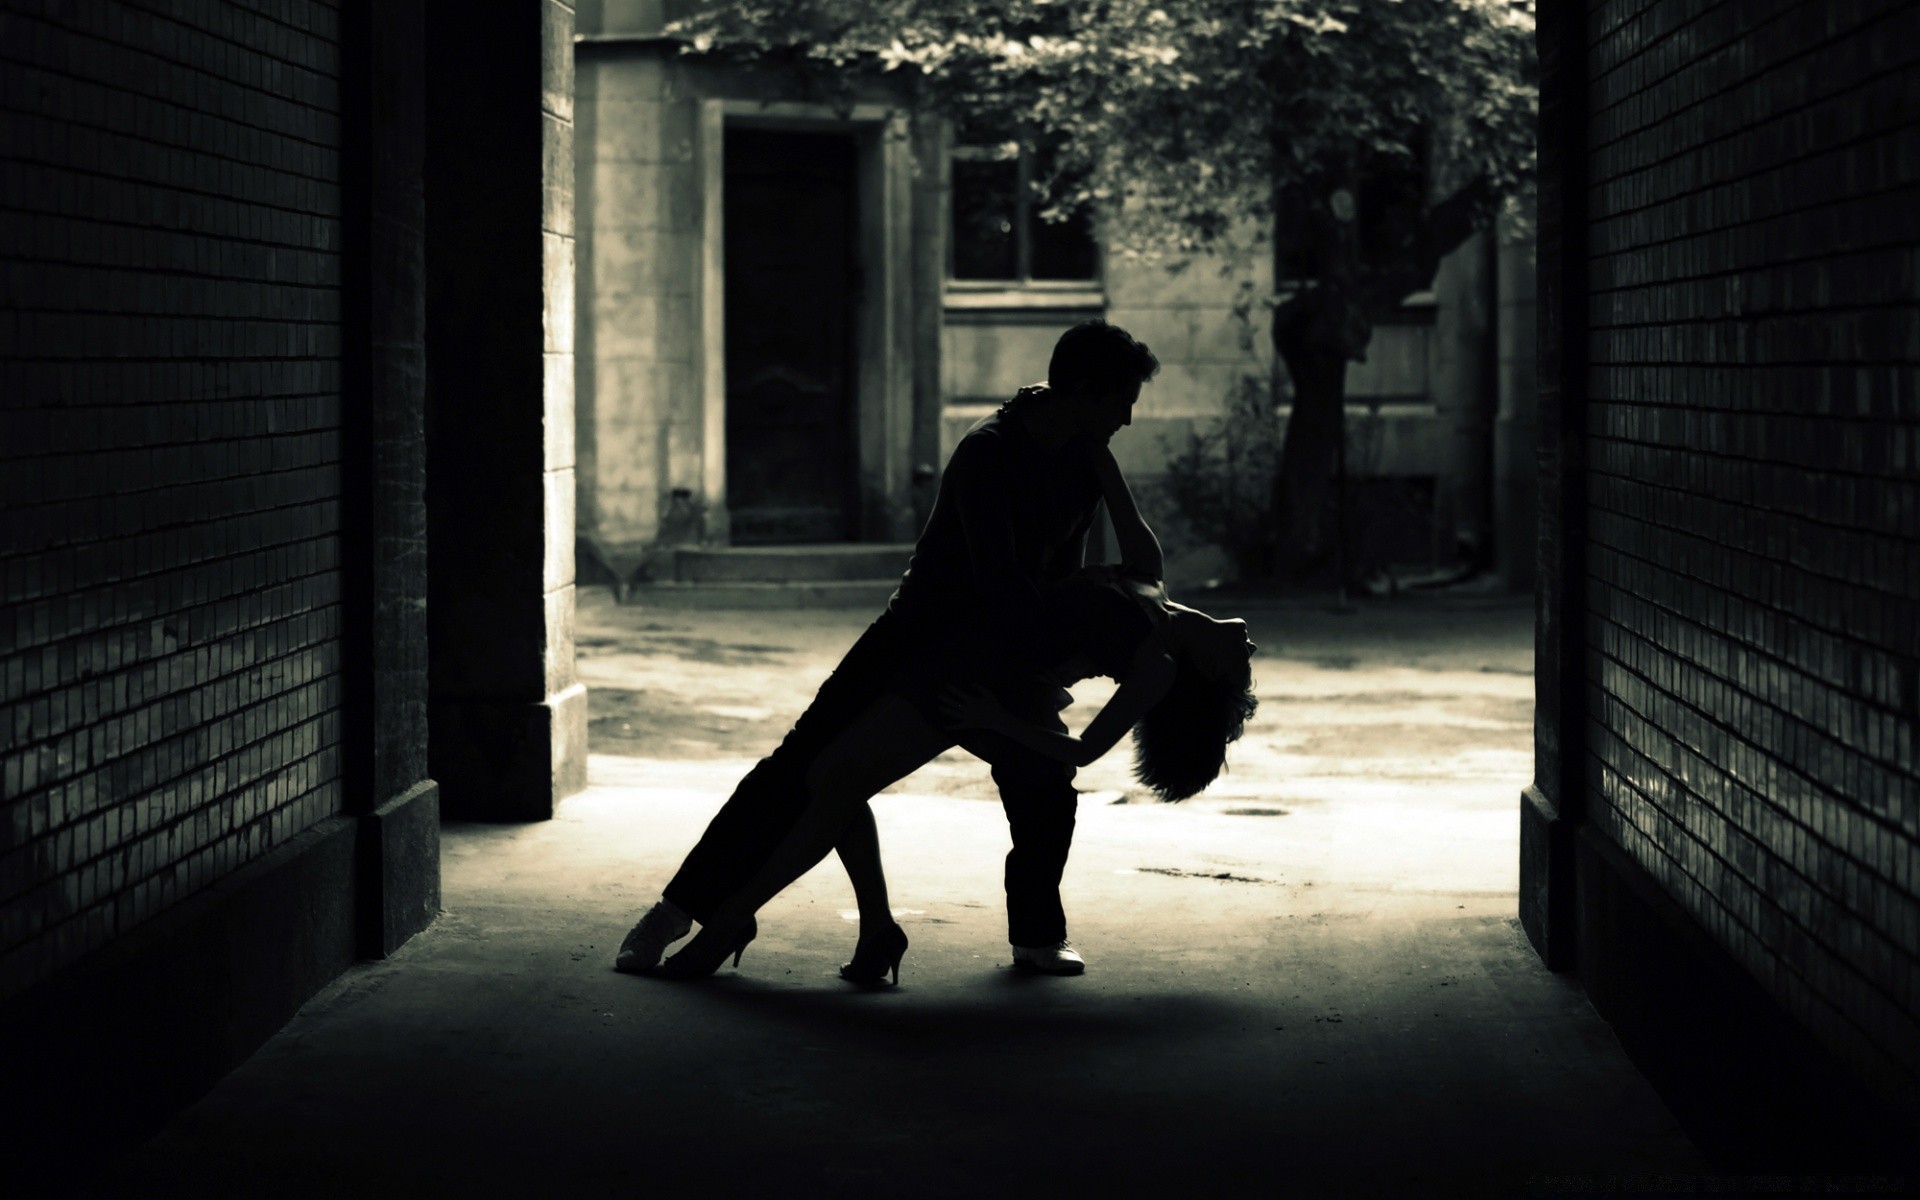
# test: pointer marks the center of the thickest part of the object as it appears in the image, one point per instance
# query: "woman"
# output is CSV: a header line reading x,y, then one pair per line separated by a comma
x,y
1185,681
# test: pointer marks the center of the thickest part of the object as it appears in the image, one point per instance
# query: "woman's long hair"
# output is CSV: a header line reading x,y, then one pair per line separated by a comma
x,y
1180,745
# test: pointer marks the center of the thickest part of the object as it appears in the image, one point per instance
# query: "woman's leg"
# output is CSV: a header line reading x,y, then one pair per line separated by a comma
x,y
887,741
859,850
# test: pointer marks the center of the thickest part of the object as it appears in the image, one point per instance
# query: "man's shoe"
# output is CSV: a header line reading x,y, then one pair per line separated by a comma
x,y
1060,959
664,923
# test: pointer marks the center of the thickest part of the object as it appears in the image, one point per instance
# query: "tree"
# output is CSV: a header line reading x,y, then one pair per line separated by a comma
x,y
1355,141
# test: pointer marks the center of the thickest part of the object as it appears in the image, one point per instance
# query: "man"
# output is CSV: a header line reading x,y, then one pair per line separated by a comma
x,y
1015,504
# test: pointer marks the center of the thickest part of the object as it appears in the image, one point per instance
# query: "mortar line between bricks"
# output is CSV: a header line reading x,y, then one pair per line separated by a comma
x,y
221,239
97,451
1894,475
194,523
1864,28
147,51
1873,250
1837,418
1887,824
1838,634
152,317
171,13
1795,362
1850,196
175,568
1902,305
123,406
1687,496
176,144
120,180
209,360
1768,949
203,479
118,269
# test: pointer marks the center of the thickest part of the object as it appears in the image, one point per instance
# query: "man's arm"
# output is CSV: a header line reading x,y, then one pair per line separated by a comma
x,y
1145,682
1139,549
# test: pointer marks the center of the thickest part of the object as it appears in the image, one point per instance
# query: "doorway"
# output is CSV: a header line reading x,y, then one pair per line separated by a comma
x,y
791,288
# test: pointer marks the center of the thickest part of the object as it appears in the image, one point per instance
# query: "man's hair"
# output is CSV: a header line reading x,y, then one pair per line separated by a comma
x,y
1103,357
1180,744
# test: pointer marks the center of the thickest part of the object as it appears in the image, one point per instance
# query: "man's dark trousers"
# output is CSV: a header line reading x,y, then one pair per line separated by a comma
x,y
1037,792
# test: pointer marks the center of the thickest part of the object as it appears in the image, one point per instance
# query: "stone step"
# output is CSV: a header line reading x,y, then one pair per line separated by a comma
x,y
832,563
755,594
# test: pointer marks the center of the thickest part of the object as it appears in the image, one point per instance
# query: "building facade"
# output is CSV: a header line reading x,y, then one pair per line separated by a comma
x,y
792,304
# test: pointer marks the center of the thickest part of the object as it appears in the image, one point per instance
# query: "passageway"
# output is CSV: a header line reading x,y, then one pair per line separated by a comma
x,y
1309,980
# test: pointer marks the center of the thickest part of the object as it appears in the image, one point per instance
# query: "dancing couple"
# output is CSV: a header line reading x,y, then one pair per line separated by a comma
x,y
994,617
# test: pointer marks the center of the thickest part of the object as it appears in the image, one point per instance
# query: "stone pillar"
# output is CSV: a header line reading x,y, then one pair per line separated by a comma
x,y
508,716
1464,394
1516,434
383,568
1551,808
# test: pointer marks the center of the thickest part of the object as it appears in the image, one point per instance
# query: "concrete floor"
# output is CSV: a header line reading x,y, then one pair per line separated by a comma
x,y
1308,981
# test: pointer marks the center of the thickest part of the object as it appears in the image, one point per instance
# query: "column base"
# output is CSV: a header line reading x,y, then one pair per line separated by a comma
x,y
1546,880
401,842
508,760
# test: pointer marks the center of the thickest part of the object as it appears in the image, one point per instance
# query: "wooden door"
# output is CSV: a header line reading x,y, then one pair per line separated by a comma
x,y
790,295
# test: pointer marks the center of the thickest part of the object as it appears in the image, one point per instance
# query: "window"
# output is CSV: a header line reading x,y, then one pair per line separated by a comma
x,y
998,233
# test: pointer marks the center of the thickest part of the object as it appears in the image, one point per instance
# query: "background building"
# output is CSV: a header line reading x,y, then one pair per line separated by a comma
x,y
795,297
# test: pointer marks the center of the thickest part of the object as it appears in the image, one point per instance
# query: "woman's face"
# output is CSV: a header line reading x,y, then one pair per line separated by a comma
x,y
1217,648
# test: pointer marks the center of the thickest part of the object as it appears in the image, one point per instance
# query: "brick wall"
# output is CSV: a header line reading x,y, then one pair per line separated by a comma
x,y
170,333
1752,507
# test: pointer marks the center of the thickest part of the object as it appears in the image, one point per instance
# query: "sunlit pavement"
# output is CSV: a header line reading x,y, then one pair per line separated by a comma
x,y
1308,981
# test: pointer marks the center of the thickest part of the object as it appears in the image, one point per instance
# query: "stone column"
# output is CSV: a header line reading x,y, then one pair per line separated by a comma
x,y
383,569
1516,434
1464,393
1551,807
507,715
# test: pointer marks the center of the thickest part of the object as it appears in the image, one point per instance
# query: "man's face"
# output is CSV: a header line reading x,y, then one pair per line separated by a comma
x,y
1105,413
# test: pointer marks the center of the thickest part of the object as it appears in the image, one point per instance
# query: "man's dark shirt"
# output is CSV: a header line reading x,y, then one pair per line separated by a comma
x,y
1011,517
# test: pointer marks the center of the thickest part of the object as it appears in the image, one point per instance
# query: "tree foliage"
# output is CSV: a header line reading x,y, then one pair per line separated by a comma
x,y
1203,117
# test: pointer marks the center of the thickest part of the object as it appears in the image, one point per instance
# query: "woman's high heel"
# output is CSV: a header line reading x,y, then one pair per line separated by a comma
x,y
874,956
697,961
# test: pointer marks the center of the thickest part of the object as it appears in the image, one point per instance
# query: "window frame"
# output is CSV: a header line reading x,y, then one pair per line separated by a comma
x,y
1022,290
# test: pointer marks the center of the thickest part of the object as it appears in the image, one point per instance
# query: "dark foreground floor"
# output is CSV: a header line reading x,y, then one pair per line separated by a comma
x,y
1307,982
1265,1034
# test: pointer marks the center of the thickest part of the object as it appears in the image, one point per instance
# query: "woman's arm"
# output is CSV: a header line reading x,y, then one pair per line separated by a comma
x,y
1139,549
1147,679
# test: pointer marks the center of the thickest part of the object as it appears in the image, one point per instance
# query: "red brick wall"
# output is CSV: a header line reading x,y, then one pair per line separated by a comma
x,y
170,455
1752,447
